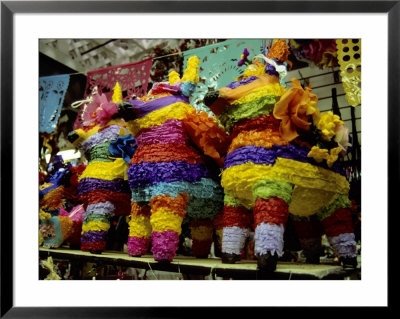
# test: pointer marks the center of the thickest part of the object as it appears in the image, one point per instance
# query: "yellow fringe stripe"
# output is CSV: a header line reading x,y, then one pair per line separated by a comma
x,y
271,89
84,135
238,180
106,170
95,225
177,111
139,226
163,220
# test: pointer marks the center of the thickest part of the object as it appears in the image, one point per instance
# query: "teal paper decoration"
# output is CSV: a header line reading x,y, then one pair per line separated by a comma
x,y
218,65
52,91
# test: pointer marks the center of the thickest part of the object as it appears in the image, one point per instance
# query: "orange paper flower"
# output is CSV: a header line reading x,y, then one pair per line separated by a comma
x,y
279,50
293,109
207,135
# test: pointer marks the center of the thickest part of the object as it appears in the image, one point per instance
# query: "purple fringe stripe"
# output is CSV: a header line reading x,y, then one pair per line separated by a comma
x,y
104,208
141,108
233,239
261,155
344,245
236,84
147,174
164,245
94,236
137,246
171,131
268,238
88,184
108,134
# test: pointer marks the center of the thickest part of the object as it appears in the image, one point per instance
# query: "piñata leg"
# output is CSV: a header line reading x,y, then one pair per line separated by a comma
x,y
309,231
237,222
96,223
202,237
271,211
166,218
218,229
338,228
139,230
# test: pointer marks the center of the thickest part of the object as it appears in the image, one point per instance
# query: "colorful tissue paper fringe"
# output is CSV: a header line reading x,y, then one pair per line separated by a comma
x,y
272,167
58,194
175,146
102,186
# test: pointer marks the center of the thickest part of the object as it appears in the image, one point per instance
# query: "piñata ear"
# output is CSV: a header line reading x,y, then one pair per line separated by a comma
x,y
191,73
117,95
173,77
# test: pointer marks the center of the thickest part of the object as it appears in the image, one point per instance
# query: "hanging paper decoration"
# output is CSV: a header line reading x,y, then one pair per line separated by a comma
x,y
321,52
349,57
133,79
219,65
52,91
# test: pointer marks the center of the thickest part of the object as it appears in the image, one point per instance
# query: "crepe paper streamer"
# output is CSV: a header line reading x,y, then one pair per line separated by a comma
x,y
52,91
349,57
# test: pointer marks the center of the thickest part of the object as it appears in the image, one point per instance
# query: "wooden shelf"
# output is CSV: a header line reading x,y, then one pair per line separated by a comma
x,y
246,269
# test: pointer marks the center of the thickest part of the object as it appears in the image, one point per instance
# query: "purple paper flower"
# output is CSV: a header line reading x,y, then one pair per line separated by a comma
x,y
243,57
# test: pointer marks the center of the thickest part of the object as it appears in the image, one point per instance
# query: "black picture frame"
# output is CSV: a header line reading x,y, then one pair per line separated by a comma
x,y
9,8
